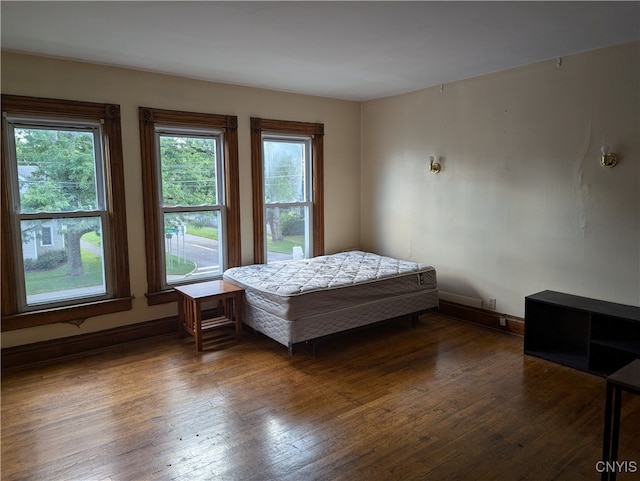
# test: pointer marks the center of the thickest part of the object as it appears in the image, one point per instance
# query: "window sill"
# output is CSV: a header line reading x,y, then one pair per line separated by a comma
x,y
161,297
65,314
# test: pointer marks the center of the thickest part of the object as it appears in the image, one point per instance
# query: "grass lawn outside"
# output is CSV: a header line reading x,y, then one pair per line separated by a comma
x,y
286,245
55,280
178,267
206,232
92,238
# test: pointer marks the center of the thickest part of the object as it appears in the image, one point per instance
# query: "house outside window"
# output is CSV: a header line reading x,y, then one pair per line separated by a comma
x,y
191,195
287,160
61,239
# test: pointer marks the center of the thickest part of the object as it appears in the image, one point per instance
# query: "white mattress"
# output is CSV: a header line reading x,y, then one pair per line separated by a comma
x,y
307,299
307,287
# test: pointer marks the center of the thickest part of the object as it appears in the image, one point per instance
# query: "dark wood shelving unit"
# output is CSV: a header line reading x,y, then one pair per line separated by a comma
x,y
592,335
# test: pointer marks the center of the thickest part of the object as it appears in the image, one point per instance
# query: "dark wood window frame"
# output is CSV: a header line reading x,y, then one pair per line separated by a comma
x,y
148,118
316,131
109,114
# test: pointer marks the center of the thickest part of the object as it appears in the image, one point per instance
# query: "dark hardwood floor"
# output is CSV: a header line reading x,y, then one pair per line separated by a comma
x,y
443,401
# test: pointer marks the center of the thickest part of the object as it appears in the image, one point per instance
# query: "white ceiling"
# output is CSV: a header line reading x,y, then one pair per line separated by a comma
x,y
348,50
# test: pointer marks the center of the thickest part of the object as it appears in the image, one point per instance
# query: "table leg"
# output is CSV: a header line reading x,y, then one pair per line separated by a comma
x,y
181,327
615,432
606,448
197,324
238,314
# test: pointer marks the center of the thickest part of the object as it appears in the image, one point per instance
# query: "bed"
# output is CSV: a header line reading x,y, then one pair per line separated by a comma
x,y
307,300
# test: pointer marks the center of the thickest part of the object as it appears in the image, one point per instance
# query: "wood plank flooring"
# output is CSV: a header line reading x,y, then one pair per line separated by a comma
x,y
445,400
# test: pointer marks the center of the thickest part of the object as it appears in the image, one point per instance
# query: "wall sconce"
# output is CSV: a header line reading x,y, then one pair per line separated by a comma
x,y
434,166
608,159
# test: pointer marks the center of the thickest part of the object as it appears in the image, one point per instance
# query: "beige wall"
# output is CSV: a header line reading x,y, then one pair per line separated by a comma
x,y
521,204
44,77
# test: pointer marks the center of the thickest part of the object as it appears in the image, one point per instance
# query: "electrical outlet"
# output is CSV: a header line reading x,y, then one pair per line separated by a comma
x,y
503,320
491,304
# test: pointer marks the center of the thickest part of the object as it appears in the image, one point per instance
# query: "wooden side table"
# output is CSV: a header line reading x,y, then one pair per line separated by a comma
x,y
624,379
229,297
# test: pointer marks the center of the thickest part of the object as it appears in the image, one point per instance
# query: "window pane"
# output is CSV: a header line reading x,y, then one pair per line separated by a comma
x,y
188,166
284,171
46,236
56,170
71,267
287,233
191,246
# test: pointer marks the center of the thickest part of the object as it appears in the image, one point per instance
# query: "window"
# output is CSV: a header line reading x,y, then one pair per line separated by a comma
x,y
190,167
63,224
287,163
46,237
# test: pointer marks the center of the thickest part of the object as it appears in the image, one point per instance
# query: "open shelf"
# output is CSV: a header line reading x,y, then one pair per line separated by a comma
x,y
587,334
216,322
630,347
